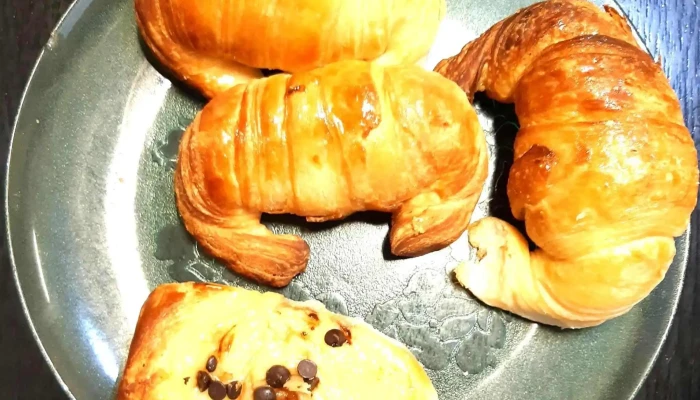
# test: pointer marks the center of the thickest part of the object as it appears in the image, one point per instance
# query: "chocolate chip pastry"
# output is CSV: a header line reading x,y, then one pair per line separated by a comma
x,y
351,136
205,341
215,44
605,172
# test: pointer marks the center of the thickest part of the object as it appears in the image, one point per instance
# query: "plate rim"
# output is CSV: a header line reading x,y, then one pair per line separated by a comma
x,y
651,361
6,204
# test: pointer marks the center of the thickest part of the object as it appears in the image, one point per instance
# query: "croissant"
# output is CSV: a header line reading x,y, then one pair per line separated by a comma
x,y
214,44
323,144
204,341
605,172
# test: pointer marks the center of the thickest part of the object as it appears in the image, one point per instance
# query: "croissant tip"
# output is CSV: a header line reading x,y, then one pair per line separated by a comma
x,y
473,276
276,278
461,273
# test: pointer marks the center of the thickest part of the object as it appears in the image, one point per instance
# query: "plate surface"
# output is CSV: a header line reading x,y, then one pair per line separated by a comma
x,y
93,228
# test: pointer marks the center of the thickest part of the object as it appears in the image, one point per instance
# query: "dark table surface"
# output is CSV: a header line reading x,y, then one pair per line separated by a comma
x,y
671,29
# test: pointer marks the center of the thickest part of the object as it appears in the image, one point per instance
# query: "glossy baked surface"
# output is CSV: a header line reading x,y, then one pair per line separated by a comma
x,y
213,44
107,122
181,326
605,173
325,144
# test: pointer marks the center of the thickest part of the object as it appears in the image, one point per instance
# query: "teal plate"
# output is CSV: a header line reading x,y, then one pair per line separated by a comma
x,y
93,228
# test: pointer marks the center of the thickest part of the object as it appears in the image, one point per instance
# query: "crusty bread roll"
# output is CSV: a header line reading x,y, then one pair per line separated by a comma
x,y
605,173
198,341
213,45
348,137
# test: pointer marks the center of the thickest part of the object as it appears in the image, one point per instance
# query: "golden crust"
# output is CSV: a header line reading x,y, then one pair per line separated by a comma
x,y
182,325
215,44
348,137
605,172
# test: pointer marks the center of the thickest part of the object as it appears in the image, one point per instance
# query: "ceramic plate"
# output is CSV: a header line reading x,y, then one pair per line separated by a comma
x,y
93,228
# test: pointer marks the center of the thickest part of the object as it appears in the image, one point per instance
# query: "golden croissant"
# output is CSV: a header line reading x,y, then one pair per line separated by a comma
x,y
324,144
605,172
213,45
197,341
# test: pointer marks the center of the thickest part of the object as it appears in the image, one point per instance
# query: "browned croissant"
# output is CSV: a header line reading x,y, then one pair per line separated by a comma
x,y
324,144
605,173
212,44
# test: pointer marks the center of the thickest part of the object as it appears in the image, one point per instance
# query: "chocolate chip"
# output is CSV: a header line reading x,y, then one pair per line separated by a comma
x,y
217,391
313,382
335,338
211,364
307,369
203,381
277,376
264,393
186,380
233,390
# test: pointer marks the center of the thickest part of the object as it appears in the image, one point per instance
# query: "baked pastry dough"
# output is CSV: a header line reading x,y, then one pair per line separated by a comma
x,y
605,172
194,340
213,45
348,137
